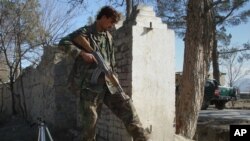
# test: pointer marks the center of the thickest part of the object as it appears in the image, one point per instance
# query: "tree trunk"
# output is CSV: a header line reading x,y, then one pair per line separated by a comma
x,y
23,101
1,93
129,5
14,112
198,42
216,69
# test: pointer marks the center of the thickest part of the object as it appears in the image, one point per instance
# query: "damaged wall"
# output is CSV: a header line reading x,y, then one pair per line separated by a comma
x,y
145,65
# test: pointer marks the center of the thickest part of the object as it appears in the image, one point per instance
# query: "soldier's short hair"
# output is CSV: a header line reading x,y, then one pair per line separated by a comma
x,y
109,12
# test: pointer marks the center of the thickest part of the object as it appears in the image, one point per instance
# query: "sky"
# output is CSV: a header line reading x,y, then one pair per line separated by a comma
x,y
240,34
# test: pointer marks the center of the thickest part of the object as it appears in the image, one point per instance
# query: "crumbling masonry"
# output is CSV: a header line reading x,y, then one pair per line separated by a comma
x,y
146,68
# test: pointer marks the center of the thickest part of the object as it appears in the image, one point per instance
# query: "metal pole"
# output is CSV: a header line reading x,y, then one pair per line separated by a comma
x,y
39,135
43,137
49,134
42,129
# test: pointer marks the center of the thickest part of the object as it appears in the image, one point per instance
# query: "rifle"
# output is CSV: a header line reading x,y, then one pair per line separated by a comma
x,y
103,67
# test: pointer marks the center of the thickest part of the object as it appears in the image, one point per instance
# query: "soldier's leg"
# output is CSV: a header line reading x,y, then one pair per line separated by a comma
x,y
90,103
126,112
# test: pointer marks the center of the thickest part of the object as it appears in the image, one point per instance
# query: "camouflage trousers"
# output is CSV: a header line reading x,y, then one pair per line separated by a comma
x,y
91,104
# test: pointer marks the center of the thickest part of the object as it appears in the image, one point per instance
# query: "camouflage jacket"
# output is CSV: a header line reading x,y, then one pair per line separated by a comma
x,y
81,72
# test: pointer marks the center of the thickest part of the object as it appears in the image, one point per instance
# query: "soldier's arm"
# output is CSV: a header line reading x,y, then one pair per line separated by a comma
x,y
83,43
72,45
68,47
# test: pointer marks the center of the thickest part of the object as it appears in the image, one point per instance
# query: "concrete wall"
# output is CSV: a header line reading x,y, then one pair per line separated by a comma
x,y
153,77
145,65
3,69
5,101
109,126
44,92
222,78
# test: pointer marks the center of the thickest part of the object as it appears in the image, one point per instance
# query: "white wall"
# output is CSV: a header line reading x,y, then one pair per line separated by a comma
x,y
153,74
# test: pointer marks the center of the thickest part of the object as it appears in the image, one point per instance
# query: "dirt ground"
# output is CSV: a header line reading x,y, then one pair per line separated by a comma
x,y
17,129
239,104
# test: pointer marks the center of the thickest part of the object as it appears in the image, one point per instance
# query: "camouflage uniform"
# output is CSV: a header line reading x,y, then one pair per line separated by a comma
x,y
92,96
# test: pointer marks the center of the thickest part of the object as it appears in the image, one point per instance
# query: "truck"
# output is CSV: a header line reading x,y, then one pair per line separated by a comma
x,y
215,94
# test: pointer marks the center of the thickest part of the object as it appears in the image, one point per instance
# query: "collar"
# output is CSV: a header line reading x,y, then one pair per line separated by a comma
x,y
94,30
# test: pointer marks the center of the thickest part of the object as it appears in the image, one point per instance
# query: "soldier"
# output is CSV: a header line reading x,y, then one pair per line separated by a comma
x,y
93,95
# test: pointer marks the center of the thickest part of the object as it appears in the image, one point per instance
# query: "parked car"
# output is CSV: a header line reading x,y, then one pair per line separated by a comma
x,y
218,95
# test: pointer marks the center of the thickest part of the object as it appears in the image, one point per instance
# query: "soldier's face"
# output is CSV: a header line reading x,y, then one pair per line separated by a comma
x,y
107,23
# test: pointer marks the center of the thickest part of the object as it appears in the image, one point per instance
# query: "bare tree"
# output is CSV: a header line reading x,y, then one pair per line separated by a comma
x,y
19,25
234,61
117,3
55,21
26,29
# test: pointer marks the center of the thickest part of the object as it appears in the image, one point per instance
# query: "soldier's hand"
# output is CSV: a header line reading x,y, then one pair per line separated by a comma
x,y
88,57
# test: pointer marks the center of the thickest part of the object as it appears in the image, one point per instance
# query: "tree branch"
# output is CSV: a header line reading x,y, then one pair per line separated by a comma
x,y
233,51
219,2
222,19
